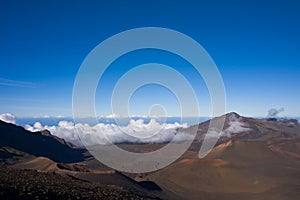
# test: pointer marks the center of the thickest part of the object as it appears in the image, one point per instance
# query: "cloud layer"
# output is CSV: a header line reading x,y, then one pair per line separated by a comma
x,y
8,117
99,133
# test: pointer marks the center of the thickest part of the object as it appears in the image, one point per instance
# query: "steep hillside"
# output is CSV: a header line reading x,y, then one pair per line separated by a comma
x,y
39,144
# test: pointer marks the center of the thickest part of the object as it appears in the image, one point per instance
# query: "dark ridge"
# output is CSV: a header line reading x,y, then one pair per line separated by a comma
x,y
38,144
150,185
272,119
61,140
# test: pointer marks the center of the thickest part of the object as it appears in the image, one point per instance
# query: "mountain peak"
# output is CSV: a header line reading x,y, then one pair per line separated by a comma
x,y
233,115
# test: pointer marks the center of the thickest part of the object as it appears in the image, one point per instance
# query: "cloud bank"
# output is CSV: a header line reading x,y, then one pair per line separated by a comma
x,y
8,117
97,134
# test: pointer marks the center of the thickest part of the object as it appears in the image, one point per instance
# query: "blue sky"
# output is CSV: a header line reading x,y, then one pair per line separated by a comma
x,y
254,44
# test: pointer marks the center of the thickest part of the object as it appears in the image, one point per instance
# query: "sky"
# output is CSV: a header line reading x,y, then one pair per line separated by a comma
x,y
255,45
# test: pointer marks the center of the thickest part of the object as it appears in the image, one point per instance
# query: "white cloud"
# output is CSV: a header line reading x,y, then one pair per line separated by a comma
x,y
49,116
273,112
8,117
234,126
113,115
97,134
15,83
138,116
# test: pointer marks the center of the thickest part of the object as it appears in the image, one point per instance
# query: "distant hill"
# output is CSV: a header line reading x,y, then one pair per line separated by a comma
x,y
253,159
245,128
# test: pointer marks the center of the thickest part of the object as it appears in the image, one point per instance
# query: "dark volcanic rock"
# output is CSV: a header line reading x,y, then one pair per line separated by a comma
x,y
30,184
39,144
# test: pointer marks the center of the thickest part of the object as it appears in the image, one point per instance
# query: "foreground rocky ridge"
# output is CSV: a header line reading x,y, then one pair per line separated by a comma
x,y
30,184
